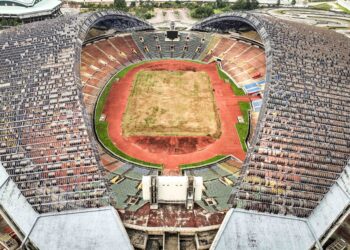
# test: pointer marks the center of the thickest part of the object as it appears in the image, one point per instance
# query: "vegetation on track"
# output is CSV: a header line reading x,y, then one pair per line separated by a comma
x,y
243,128
322,6
238,91
203,163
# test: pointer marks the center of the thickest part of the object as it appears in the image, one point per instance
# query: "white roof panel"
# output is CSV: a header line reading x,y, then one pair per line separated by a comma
x,y
332,205
95,229
42,7
251,230
15,204
22,2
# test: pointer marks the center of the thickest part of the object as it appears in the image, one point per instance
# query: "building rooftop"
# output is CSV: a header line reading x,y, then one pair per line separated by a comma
x,y
26,3
27,8
99,228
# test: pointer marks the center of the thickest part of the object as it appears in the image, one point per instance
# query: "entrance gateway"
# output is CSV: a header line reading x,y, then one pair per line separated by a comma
x,y
172,190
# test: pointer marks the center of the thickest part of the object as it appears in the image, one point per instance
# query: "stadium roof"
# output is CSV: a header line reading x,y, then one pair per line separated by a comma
x,y
29,9
244,229
26,3
81,229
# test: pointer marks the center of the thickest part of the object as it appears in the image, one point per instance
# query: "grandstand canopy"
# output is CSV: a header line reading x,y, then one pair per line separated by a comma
x,y
80,229
249,230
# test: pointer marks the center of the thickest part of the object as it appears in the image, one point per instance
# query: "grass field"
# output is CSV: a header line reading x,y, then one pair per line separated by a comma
x,y
322,6
238,91
203,163
243,128
171,103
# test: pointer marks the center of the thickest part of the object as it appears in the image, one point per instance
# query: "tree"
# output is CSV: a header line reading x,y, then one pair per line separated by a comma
x,y
278,2
294,2
245,5
202,12
120,5
255,4
239,5
248,5
221,4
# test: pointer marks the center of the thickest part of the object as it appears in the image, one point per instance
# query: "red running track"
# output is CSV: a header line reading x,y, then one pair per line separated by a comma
x,y
226,101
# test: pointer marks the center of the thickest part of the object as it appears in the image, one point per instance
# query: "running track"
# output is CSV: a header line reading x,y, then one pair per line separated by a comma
x,y
226,102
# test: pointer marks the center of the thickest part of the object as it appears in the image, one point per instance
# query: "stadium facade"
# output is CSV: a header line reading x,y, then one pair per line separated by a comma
x,y
294,185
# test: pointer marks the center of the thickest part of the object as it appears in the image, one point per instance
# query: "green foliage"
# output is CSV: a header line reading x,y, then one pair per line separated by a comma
x,y
202,11
220,4
9,22
148,15
171,5
102,131
294,2
147,5
120,5
86,7
191,5
322,6
243,128
226,9
144,10
202,163
245,5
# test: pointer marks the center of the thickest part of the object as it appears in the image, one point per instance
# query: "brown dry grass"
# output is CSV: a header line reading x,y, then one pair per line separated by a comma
x,y
171,103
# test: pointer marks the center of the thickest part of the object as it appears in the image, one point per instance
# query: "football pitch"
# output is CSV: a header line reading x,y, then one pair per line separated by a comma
x,y
171,103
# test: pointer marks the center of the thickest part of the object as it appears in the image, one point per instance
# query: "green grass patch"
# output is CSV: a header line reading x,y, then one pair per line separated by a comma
x,y
101,127
243,128
322,6
218,11
280,12
238,91
203,163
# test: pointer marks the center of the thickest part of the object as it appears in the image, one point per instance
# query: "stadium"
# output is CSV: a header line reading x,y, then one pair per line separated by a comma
x,y
233,134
